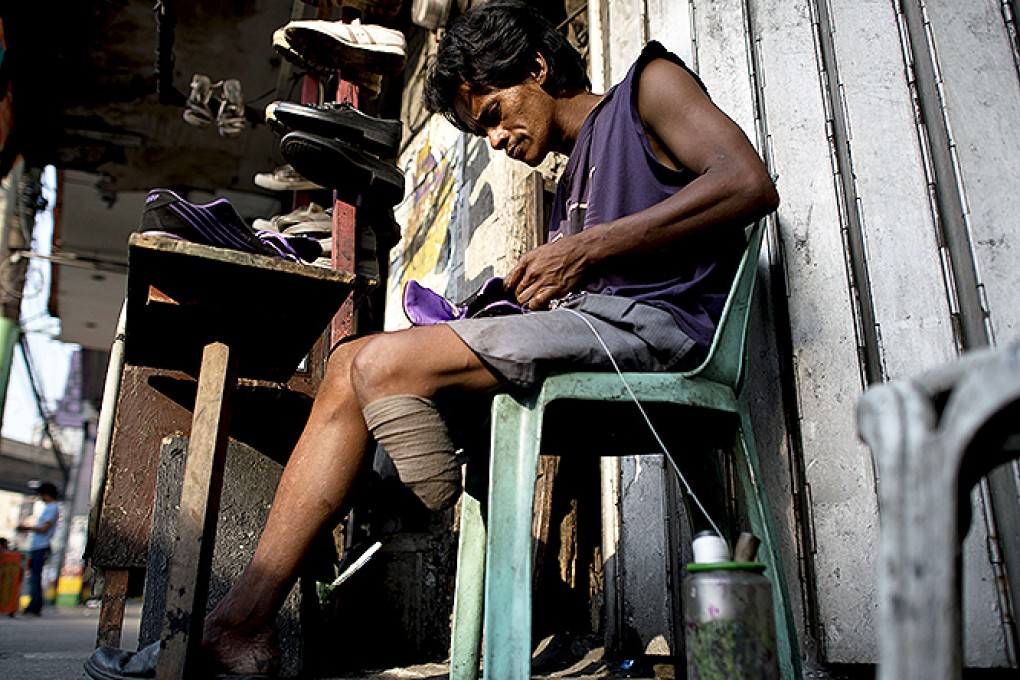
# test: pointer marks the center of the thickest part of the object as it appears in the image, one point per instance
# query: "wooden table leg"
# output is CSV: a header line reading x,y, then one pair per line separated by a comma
x,y
188,585
111,611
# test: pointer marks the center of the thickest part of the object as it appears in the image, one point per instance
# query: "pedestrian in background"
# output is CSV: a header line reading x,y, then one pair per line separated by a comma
x,y
39,548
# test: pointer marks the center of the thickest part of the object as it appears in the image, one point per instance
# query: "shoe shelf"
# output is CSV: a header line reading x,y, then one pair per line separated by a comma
x,y
183,296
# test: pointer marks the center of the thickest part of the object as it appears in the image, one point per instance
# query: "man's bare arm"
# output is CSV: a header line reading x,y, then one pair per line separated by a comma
x,y
685,129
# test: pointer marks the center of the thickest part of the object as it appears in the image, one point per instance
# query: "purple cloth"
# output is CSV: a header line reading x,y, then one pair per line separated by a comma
x,y
613,172
425,307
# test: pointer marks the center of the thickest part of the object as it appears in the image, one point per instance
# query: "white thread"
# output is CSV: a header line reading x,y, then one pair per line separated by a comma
x,y
648,421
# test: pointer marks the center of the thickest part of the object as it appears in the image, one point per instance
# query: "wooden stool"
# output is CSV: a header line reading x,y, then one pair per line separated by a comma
x,y
218,314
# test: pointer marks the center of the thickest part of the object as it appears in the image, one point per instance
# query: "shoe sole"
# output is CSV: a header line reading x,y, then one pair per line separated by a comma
x,y
326,50
353,174
270,184
373,135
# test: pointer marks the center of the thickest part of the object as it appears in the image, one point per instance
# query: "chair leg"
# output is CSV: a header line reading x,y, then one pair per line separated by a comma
x,y
516,432
468,597
749,470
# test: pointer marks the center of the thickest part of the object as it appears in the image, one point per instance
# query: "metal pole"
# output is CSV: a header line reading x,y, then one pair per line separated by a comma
x,y
104,429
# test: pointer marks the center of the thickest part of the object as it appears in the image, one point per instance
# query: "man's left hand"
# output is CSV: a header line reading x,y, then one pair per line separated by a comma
x,y
547,272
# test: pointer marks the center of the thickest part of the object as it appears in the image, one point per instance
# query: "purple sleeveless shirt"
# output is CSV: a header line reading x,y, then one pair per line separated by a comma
x,y
612,172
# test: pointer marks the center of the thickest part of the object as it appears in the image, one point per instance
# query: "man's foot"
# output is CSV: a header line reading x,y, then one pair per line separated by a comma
x,y
241,653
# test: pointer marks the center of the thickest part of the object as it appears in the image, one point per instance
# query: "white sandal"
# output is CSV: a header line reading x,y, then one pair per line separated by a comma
x,y
339,45
230,119
197,111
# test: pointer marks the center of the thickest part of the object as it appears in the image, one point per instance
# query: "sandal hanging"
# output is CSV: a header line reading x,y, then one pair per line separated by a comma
x,y
197,111
230,120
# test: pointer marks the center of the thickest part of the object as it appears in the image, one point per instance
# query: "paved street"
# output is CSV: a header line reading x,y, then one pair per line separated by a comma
x,y
54,645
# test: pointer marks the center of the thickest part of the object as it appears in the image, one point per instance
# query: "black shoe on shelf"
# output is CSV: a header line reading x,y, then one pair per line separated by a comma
x,y
379,136
358,177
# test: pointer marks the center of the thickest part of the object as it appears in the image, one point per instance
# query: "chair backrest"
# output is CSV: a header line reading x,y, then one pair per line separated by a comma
x,y
725,361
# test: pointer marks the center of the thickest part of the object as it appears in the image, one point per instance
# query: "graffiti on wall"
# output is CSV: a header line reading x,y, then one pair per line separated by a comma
x,y
428,211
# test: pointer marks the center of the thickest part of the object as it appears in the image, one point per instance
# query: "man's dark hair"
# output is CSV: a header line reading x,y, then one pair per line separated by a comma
x,y
492,46
47,489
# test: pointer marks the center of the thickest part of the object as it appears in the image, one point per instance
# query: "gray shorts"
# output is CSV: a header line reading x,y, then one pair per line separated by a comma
x,y
522,349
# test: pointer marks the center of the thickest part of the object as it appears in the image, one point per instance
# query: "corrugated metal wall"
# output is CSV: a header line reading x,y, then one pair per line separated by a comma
x,y
890,126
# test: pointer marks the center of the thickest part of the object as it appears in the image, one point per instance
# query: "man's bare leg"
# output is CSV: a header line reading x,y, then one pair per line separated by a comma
x,y
319,474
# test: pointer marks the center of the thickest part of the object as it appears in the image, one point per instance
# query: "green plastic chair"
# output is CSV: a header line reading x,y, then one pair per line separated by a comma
x,y
494,560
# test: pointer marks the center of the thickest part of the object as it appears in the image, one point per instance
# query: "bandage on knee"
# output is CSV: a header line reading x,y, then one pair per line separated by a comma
x,y
413,433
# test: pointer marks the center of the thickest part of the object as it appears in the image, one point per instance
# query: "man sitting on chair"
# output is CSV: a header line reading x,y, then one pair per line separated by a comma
x,y
646,234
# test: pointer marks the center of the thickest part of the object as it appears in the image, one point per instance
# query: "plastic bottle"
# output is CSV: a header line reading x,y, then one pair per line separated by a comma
x,y
728,617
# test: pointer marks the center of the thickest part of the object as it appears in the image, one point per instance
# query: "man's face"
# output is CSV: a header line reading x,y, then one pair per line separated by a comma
x,y
517,120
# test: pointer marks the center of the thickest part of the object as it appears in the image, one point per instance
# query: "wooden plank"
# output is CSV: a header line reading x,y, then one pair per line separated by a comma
x,y
226,296
187,588
111,610
144,416
344,236
541,524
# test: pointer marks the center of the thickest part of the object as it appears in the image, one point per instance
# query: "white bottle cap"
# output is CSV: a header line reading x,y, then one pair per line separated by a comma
x,y
710,548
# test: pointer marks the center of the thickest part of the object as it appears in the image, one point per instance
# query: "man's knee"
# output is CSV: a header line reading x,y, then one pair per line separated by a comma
x,y
375,365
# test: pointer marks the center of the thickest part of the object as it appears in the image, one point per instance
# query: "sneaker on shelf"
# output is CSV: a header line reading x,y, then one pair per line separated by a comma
x,y
291,247
317,229
327,246
313,214
357,177
379,136
347,46
213,224
285,178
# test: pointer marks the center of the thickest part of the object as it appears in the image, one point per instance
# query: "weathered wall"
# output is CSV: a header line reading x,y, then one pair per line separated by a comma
x,y
889,126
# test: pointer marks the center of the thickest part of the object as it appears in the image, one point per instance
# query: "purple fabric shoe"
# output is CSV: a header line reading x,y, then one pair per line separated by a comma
x,y
425,307
293,247
212,224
